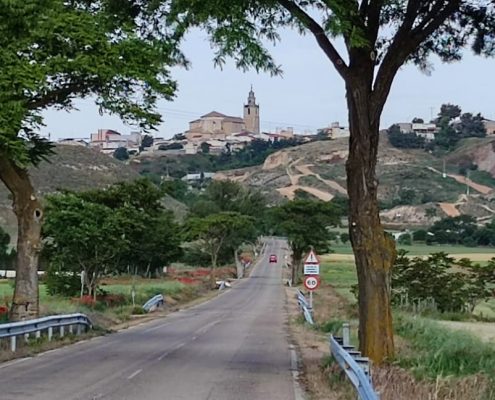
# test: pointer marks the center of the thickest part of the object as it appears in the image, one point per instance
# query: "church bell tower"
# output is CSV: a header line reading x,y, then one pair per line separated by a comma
x,y
252,113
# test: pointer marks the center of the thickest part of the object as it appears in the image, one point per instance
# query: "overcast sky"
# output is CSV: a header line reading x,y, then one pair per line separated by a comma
x,y
308,96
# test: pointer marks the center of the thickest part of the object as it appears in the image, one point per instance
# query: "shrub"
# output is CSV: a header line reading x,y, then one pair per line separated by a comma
x,y
439,351
420,235
405,239
60,283
4,314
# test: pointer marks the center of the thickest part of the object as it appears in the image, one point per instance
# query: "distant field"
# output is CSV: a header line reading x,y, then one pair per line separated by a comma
x,y
474,253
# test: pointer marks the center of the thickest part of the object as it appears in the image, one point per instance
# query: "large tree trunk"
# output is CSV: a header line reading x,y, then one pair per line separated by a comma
x,y
374,252
27,208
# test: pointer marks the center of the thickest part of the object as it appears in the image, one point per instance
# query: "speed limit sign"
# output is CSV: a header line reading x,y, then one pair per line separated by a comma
x,y
311,282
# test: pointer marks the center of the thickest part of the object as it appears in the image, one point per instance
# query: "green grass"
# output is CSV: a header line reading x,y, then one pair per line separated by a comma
x,y
437,351
60,305
422,249
342,276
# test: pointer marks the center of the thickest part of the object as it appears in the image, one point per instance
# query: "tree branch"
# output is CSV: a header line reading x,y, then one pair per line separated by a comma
x,y
374,10
405,42
319,34
57,96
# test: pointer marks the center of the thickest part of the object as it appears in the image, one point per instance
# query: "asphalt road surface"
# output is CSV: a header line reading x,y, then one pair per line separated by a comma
x,y
234,347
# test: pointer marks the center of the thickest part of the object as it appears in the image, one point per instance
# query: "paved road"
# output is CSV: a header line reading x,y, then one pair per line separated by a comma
x,y
234,347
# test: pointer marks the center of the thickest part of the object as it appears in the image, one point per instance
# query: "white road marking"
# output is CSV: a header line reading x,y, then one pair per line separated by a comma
x,y
9,364
135,373
157,327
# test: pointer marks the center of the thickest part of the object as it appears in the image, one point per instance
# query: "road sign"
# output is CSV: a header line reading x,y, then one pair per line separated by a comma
x,y
311,258
311,282
311,269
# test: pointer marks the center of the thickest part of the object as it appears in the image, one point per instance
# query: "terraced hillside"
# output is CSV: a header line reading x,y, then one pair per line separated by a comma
x,y
412,187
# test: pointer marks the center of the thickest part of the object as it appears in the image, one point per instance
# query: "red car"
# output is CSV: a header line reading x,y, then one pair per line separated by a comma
x,y
273,258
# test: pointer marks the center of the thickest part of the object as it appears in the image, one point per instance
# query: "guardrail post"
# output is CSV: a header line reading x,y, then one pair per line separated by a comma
x,y
70,329
62,331
79,329
37,335
12,343
346,333
50,333
26,337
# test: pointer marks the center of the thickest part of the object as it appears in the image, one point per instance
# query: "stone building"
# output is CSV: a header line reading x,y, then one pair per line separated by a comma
x,y
252,113
215,125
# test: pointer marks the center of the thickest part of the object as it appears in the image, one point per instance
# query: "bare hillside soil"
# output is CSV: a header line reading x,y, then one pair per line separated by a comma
x,y
318,168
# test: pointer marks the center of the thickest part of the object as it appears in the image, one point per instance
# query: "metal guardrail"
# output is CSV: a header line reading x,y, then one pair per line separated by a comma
x,y
36,326
356,367
155,301
303,303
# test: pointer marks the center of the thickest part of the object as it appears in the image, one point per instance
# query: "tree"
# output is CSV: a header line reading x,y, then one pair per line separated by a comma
x,y
404,140
448,112
417,120
147,141
379,37
5,254
305,224
471,126
205,147
218,231
84,237
121,154
51,53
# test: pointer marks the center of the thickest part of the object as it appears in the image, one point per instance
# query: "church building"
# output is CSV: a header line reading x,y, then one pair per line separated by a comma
x,y
215,125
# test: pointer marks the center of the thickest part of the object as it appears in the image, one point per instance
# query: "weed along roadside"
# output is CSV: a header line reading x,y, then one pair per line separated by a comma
x,y
432,361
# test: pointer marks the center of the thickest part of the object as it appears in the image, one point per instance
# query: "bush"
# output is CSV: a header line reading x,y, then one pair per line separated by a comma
x,y
405,239
449,284
63,284
420,235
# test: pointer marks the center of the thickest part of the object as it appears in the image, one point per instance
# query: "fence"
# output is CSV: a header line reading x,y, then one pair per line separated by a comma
x,y
36,326
356,367
305,308
154,302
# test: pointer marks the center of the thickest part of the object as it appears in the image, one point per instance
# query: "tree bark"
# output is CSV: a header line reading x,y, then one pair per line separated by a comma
x,y
374,252
29,213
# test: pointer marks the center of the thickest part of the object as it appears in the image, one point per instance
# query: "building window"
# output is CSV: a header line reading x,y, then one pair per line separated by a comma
x,y
249,111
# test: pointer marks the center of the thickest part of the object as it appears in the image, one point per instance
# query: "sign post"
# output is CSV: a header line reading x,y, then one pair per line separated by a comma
x,y
312,272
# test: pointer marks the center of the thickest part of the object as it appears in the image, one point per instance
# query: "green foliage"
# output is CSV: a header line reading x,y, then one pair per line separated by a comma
x,y
305,223
5,254
147,141
453,286
222,231
171,146
404,140
121,154
451,131
254,153
108,231
61,283
344,237
438,351
455,230
56,51
405,239
420,235
205,148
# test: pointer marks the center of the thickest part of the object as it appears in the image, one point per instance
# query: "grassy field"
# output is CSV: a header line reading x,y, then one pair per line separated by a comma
x,y
422,249
145,289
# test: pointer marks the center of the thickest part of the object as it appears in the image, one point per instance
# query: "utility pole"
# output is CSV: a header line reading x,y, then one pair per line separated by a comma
x,y
467,183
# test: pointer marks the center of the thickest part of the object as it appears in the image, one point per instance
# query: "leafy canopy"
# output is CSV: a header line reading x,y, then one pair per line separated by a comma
x,y
240,29
54,51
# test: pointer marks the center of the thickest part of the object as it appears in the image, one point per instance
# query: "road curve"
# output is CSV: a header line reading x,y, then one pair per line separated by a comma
x,y
234,347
